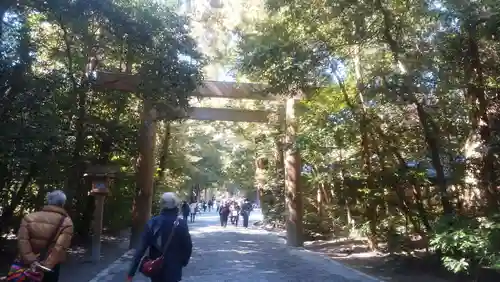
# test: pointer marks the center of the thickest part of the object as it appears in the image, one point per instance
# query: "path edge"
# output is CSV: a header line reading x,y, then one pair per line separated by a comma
x,y
106,272
312,255
301,252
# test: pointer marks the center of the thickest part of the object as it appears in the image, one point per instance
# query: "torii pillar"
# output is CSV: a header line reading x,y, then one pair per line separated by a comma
x,y
143,201
293,191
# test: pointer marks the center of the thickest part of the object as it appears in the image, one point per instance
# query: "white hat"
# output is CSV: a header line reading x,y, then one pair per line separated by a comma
x,y
169,200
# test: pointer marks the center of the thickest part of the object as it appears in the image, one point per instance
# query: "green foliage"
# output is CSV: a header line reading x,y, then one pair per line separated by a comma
x,y
118,207
56,125
402,130
467,243
401,135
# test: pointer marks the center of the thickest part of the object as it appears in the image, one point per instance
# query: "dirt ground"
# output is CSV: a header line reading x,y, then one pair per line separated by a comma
x,y
395,268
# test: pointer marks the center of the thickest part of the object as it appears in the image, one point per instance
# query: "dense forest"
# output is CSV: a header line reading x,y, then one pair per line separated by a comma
x,y
401,139
398,141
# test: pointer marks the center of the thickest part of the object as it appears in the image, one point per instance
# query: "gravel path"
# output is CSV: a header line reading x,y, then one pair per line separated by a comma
x,y
238,254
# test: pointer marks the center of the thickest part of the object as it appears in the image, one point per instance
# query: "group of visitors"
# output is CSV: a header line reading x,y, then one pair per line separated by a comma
x,y
165,248
44,237
195,208
231,210
204,205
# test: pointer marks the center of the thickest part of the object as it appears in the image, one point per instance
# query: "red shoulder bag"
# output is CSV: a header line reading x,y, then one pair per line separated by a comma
x,y
151,267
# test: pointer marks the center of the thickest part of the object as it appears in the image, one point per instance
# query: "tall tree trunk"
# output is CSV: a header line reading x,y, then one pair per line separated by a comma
x,y
345,199
431,137
431,131
75,188
364,127
481,121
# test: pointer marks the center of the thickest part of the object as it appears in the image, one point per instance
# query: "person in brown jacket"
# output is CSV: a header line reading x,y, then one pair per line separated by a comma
x,y
44,236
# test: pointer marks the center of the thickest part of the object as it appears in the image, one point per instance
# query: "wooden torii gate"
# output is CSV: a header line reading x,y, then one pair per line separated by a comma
x,y
147,135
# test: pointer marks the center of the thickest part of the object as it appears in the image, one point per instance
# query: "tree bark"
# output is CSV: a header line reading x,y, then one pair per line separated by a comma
x,y
481,121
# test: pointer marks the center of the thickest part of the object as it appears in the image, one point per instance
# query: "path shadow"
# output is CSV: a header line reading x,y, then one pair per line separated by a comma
x,y
238,251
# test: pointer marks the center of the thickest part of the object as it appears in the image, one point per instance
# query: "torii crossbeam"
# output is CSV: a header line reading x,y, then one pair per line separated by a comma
x,y
232,90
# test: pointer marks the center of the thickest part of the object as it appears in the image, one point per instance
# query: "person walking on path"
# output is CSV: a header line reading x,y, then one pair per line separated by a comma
x,y
246,208
185,210
193,209
210,205
224,214
45,236
235,214
155,237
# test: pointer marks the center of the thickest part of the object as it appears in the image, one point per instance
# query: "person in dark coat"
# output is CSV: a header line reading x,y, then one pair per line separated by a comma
x,y
224,214
179,250
246,208
185,210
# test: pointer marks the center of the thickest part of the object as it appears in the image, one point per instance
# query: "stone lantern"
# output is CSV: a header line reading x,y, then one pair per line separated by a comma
x,y
101,178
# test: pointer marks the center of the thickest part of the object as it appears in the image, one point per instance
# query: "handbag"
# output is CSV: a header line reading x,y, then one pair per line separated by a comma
x,y
19,272
151,267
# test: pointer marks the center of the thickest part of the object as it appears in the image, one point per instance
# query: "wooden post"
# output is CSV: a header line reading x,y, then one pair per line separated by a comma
x,y
294,232
143,202
101,178
97,226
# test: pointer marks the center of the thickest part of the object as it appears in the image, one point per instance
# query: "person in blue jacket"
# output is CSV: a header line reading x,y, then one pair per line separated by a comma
x,y
180,248
185,210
